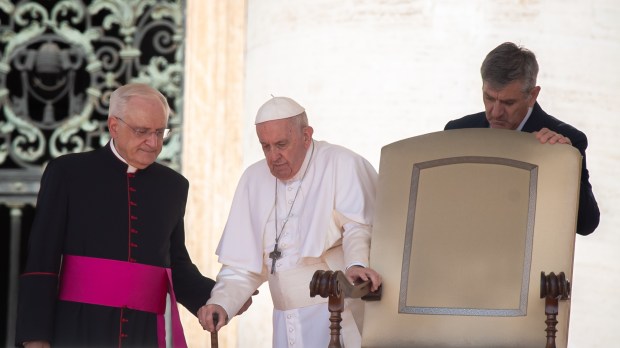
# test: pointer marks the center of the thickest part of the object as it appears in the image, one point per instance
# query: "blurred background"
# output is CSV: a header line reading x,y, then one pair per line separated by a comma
x,y
368,72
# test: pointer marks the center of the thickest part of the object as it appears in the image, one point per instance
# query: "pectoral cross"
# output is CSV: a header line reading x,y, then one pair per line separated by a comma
x,y
274,255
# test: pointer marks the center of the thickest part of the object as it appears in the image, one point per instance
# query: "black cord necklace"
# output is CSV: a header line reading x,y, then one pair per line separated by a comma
x,y
276,254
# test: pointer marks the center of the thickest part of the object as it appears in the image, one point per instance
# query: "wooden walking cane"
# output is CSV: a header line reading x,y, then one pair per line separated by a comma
x,y
214,343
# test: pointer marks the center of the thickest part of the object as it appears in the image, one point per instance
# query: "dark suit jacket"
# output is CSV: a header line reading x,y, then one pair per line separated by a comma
x,y
88,205
589,214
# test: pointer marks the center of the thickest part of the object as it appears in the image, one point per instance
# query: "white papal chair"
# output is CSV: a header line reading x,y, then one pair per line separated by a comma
x,y
474,236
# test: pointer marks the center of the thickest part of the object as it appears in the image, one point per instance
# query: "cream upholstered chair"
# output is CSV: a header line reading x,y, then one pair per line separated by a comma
x,y
474,236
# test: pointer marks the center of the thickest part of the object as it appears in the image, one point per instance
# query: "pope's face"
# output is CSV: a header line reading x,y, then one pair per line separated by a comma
x,y
142,115
506,107
284,144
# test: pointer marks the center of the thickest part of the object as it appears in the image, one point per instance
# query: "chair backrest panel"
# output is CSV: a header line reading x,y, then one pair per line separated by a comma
x,y
466,222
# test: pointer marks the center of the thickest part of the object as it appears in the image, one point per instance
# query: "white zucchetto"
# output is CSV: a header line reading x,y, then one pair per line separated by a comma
x,y
278,108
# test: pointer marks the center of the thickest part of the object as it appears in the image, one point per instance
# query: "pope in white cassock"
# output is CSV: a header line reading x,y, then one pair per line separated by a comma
x,y
307,206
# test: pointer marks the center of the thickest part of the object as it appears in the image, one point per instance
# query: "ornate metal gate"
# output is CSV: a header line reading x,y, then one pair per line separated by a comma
x,y
59,62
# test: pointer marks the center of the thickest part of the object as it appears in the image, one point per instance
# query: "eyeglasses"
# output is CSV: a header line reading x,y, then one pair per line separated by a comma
x,y
142,133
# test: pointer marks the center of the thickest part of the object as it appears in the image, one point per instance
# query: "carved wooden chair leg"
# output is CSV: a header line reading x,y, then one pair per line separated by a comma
x,y
552,289
551,310
336,306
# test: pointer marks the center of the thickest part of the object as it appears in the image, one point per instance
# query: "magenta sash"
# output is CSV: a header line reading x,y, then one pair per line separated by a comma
x,y
121,284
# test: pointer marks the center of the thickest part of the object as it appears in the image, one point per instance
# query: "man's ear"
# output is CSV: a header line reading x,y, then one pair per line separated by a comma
x,y
533,96
113,126
308,131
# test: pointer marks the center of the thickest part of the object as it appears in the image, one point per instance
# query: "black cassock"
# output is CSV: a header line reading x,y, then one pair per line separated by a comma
x,y
88,205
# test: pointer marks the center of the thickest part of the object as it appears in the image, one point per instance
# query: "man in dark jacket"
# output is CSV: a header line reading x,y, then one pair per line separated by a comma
x,y
108,242
509,92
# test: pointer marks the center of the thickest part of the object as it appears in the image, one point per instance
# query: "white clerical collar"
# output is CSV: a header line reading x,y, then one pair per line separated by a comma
x,y
527,116
304,165
130,168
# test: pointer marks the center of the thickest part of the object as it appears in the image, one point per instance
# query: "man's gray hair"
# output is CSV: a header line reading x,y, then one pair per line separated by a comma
x,y
300,121
507,63
120,97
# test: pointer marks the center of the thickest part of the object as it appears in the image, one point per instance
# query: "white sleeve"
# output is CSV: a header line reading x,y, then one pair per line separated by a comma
x,y
233,287
356,244
355,241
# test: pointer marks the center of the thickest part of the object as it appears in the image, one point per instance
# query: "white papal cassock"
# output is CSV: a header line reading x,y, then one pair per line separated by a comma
x,y
328,227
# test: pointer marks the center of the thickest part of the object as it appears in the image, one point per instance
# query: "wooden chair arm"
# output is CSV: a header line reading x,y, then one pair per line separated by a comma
x,y
330,283
336,286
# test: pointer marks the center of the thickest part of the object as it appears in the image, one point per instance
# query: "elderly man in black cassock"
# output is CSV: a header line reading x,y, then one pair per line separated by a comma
x,y
108,243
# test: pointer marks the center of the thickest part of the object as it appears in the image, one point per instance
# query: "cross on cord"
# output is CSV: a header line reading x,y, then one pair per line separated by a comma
x,y
274,255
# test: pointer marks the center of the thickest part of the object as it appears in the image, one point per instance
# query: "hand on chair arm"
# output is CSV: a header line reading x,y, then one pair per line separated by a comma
x,y
356,273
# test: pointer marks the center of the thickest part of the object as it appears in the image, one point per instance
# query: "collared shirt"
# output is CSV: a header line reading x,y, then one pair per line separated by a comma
x,y
130,168
527,116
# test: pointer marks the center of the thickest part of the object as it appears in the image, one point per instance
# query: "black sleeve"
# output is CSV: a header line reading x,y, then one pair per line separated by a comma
x,y
191,288
39,282
589,214
450,125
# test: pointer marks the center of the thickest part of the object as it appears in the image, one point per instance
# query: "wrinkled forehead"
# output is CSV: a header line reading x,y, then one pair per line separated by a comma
x,y
510,90
146,111
275,129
